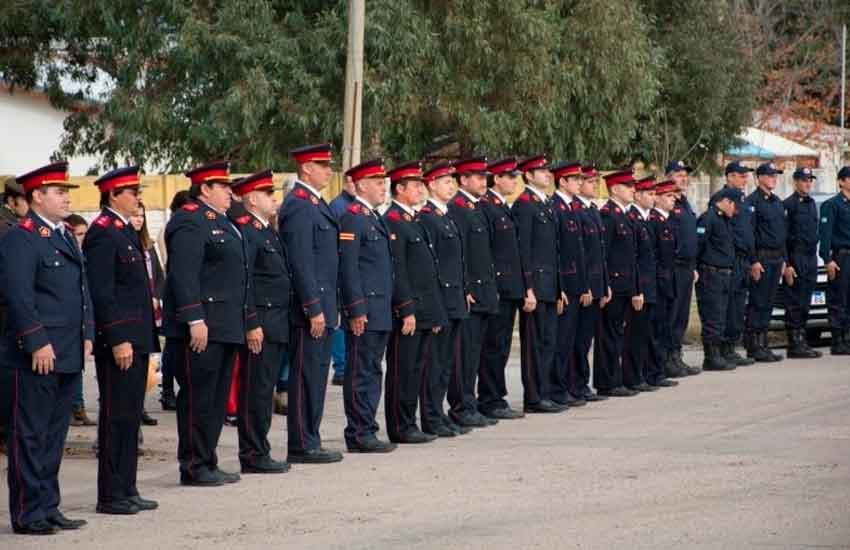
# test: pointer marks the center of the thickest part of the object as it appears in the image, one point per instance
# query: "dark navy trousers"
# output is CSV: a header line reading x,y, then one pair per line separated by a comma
x,y
362,384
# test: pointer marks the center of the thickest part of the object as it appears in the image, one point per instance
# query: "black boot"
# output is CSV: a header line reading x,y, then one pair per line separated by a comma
x,y
713,359
763,344
798,348
840,345
168,399
671,367
732,356
686,368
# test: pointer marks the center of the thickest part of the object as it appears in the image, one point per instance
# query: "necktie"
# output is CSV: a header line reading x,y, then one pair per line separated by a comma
x,y
70,241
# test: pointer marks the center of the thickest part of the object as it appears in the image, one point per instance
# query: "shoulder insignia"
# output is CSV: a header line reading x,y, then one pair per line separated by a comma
x,y
301,194
44,232
524,197
470,205
604,209
487,198
460,201
346,236
562,206
439,212
497,201
27,224
314,200
258,226
407,217
632,216
393,236
576,206
243,220
190,206
617,210
103,221
393,215
700,230
119,224
210,215
677,211
355,208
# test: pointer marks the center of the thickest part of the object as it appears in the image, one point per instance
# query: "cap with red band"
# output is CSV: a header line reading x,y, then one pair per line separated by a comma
x,y
438,171
370,169
623,177
589,171
55,174
666,186
474,165
504,166
127,176
645,184
533,163
261,181
312,153
216,172
566,169
408,170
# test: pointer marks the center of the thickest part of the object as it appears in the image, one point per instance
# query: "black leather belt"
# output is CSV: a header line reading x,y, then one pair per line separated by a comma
x,y
772,253
842,252
715,269
685,263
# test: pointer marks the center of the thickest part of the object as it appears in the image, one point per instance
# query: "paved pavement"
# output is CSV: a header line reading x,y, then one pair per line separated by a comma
x,y
758,458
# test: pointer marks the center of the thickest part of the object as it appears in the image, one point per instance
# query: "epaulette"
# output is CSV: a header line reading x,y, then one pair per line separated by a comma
x,y
118,223
243,220
460,201
301,194
355,208
103,221
190,207
393,215
494,199
27,224
576,206
425,210
524,197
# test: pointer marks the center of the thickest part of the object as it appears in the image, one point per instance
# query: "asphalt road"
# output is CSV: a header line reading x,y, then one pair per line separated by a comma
x,y
758,458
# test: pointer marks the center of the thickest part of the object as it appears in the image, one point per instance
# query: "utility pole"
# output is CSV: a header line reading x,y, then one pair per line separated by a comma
x,y
353,111
843,70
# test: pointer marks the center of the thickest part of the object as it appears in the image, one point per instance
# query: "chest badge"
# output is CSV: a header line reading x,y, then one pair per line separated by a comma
x,y
44,232
210,215
314,200
407,218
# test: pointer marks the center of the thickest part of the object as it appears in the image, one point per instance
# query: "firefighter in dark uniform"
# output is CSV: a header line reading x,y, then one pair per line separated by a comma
x,y
737,176
715,260
310,234
621,247
205,318
537,226
445,237
513,294
766,266
482,295
684,221
834,250
418,313
596,273
664,245
49,333
638,338
801,271
366,281
573,281
126,335
259,361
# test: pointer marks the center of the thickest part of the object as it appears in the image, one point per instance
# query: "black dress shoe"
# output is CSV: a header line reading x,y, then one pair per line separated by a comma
x,y
117,508
168,401
456,428
469,421
337,380
441,431
265,465
148,420
504,413
591,397
544,406
35,528
144,504
314,456
414,436
373,445
665,383
575,400
488,421
59,520
202,478
643,387
227,477
620,391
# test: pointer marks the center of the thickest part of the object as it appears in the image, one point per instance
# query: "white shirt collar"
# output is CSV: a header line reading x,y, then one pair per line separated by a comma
x,y
662,213
439,205
586,202
623,208
567,199
310,188
404,207
120,217
643,213
364,202
54,226
469,196
498,195
211,207
540,194
260,219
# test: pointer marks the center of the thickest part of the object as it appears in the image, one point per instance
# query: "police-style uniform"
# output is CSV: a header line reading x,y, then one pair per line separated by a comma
x,y
51,305
621,247
480,281
801,214
537,226
715,259
504,243
122,295
271,287
445,237
770,230
366,284
834,234
573,281
207,281
596,273
310,234
684,221
416,292
638,331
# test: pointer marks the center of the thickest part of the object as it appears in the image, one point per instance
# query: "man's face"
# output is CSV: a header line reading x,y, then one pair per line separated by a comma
x,y
539,178
410,192
54,203
804,186
80,233
844,185
126,201
217,195
505,184
727,206
318,174
263,203
682,179
348,185
666,201
443,189
767,182
623,193
589,187
738,180
373,190
645,199
20,206
474,184
570,185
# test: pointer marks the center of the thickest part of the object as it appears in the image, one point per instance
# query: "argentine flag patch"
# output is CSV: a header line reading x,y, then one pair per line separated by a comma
x,y
700,230
824,220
